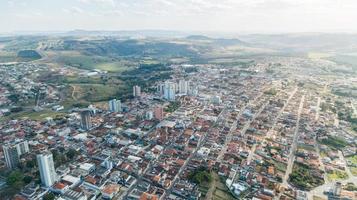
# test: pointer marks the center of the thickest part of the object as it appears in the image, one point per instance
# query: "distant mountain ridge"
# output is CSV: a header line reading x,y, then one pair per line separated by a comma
x,y
218,41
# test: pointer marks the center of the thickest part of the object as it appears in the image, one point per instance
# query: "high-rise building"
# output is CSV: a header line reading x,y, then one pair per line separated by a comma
x,y
149,115
161,89
115,105
183,87
22,147
11,156
13,151
47,169
337,189
136,91
86,122
159,112
169,91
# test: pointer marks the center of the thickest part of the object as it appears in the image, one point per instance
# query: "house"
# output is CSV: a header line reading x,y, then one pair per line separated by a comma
x,y
110,190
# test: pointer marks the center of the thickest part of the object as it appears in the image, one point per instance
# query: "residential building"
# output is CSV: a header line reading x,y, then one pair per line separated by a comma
x,y
159,112
169,91
115,105
13,151
136,91
183,87
47,169
22,147
11,156
86,123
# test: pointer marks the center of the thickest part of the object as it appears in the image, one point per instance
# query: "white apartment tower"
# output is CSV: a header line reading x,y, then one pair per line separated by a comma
x,y
169,91
183,87
136,91
115,105
12,153
47,169
11,156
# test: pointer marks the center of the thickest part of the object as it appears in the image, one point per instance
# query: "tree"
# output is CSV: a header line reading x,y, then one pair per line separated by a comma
x,y
15,179
30,163
27,179
71,153
49,196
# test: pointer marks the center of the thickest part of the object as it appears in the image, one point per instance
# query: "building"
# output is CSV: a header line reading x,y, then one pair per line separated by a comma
x,y
159,112
216,100
47,169
86,122
161,88
169,91
337,189
22,147
136,91
149,115
11,156
12,153
183,87
115,105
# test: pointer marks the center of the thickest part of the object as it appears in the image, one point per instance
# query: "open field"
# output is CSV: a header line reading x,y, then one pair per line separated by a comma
x,y
352,159
220,191
40,116
350,59
337,175
95,92
78,60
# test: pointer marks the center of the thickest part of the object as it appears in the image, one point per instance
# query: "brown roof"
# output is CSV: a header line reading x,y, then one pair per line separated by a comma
x,y
147,196
111,188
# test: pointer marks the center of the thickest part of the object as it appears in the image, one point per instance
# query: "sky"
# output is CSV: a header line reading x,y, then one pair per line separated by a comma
x,y
238,16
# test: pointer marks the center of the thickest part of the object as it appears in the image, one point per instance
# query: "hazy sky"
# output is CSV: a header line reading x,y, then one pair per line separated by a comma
x,y
184,15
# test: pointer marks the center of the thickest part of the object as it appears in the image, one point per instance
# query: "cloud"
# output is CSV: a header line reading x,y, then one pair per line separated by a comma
x,y
107,2
74,10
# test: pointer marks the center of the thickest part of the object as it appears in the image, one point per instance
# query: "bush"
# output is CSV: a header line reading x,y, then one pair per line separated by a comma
x,y
199,176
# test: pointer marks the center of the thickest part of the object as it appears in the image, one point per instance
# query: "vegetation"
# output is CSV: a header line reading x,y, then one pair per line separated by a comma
x,y
49,196
334,142
350,187
271,91
337,175
15,179
29,54
303,177
71,153
200,176
352,159
61,157
220,190
172,106
191,69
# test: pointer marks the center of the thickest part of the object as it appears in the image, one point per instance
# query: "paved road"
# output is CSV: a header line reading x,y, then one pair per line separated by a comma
x,y
294,145
199,145
234,127
318,109
280,113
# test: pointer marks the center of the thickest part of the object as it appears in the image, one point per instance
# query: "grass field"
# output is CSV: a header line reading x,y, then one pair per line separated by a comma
x,y
6,56
40,116
353,171
337,175
350,59
220,191
352,159
95,92
75,59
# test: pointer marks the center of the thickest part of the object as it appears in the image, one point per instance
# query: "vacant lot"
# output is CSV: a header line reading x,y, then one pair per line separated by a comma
x,y
219,190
